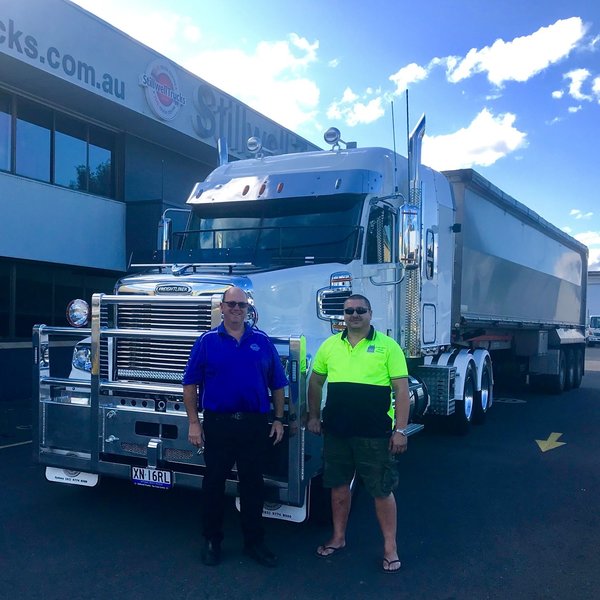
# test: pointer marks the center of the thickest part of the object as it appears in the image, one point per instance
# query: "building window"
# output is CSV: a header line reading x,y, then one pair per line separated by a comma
x,y
53,147
70,153
101,162
32,293
33,140
5,132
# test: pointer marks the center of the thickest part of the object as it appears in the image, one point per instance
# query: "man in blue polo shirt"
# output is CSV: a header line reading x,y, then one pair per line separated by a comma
x,y
235,366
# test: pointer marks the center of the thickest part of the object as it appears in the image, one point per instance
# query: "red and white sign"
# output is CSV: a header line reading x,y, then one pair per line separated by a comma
x,y
162,90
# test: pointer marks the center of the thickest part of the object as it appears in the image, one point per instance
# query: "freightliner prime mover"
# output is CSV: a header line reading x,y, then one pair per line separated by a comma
x,y
471,283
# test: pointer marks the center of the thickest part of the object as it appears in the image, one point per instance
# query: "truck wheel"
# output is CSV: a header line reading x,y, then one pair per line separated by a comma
x,y
557,383
463,410
484,397
579,367
570,357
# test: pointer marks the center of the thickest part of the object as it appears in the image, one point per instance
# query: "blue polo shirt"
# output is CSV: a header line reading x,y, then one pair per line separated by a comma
x,y
234,376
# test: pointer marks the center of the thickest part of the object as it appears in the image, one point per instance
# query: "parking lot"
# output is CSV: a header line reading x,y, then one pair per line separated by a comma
x,y
489,515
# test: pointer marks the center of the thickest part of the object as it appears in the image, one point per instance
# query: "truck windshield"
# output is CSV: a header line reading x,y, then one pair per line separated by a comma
x,y
278,232
595,322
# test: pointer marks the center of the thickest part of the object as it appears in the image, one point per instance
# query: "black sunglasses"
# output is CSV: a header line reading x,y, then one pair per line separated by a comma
x,y
360,310
233,304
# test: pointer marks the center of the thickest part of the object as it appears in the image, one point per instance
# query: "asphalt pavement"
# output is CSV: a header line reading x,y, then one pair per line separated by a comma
x,y
486,516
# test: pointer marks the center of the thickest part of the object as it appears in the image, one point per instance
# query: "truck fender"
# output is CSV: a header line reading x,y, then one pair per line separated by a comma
x,y
461,360
480,356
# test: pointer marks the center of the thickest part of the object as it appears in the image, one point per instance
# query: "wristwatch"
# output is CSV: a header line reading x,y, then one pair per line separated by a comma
x,y
280,419
401,432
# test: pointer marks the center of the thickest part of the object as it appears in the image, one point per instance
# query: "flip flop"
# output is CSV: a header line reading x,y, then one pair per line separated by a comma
x,y
334,550
388,564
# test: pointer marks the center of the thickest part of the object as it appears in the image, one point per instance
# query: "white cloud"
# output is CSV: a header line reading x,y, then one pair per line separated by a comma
x,y
349,96
406,75
333,63
487,139
558,94
270,79
523,57
578,214
160,29
574,109
596,88
594,259
592,240
355,112
577,78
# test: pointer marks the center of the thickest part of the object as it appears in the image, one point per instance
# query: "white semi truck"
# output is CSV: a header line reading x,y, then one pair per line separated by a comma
x,y
472,284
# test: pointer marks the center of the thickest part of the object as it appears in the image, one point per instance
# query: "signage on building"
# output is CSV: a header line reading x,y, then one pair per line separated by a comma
x,y
162,90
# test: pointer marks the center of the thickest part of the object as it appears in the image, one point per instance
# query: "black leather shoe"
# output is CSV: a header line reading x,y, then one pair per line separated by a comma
x,y
261,554
211,553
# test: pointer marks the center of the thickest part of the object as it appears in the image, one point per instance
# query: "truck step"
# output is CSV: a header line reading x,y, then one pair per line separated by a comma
x,y
413,428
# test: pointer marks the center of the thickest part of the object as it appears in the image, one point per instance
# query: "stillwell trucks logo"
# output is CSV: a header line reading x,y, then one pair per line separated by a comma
x,y
162,90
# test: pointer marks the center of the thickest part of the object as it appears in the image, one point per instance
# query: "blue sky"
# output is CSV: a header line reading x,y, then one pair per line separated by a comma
x,y
510,88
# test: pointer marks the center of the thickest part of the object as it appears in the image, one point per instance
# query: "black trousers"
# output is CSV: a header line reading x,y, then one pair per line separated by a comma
x,y
243,442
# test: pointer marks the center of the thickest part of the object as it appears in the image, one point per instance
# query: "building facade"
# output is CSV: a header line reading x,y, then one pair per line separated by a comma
x,y
99,135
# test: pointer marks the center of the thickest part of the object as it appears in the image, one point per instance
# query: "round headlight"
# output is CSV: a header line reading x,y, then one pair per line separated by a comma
x,y
78,313
252,318
82,358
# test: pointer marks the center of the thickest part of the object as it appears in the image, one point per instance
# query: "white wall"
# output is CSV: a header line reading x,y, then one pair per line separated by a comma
x,y
46,223
593,293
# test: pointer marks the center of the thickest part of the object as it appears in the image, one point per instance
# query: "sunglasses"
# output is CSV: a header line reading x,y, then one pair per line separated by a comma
x,y
233,304
359,311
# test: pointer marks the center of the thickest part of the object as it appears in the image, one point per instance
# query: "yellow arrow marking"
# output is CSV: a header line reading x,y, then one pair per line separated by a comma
x,y
551,443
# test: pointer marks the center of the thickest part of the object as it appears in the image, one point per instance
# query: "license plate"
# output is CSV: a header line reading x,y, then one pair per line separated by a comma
x,y
151,477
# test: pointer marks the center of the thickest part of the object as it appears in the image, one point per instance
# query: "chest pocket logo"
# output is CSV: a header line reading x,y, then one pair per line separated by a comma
x,y
255,347
371,349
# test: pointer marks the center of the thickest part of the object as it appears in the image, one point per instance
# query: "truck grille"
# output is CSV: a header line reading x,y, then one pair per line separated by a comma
x,y
152,360
331,303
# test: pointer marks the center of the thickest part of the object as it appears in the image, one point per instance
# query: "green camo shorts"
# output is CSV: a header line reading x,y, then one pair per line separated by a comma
x,y
370,458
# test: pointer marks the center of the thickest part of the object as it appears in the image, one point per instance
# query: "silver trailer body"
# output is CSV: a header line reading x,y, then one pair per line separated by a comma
x,y
512,268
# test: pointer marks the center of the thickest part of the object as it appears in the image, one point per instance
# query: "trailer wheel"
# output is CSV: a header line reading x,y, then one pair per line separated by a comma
x,y
570,358
557,383
463,413
579,367
484,397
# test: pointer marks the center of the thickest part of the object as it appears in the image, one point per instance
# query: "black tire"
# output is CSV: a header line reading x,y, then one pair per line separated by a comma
x,y
485,396
570,357
463,409
557,383
579,367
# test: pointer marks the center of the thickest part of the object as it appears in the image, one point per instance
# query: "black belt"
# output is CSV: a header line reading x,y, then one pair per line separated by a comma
x,y
236,416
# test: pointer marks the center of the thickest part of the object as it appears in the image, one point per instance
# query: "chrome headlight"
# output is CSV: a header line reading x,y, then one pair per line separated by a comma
x,y
82,358
78,313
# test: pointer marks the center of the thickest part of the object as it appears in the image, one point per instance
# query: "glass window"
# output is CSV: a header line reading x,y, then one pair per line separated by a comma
x,y
5,268
5,132
34,125
100,162
70,153
379,236
429,253
34,298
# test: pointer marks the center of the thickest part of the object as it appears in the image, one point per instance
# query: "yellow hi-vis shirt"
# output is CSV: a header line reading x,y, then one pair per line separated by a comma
x,y
359,383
